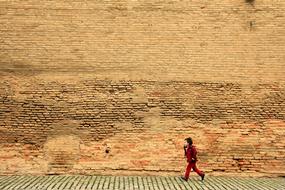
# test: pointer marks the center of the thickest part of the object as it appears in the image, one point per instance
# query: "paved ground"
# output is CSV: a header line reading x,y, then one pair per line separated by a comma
x,y
136,183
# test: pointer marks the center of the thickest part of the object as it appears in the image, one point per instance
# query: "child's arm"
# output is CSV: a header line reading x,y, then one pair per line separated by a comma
x,y
194,157
185,150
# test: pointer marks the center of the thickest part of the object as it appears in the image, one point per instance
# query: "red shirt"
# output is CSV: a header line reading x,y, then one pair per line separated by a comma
x,y
191,154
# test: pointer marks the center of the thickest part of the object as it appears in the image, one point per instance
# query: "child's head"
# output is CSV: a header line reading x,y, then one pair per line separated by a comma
x,y
189,140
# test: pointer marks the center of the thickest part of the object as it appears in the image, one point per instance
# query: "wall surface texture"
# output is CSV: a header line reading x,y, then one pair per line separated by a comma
x,y
114,87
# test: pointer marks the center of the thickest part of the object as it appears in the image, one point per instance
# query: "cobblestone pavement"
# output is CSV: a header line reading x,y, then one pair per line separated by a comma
x,y
136,183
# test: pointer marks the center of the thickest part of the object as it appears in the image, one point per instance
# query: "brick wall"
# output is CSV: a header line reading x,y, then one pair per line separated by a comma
x,y
101,87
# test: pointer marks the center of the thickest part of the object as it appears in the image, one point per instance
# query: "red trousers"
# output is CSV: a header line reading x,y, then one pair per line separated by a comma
x,y
189,167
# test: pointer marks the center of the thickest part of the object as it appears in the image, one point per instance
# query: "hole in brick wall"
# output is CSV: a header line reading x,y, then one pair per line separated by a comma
x,y
251,25
250,1
107,150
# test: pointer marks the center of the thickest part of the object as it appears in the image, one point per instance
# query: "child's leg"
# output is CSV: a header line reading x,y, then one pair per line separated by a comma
x,y
200,173
188,169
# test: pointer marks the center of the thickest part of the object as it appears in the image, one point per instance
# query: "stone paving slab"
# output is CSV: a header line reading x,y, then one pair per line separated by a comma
x,y
80,182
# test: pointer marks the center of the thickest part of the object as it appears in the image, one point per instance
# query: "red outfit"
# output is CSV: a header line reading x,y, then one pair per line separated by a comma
x,y
191,155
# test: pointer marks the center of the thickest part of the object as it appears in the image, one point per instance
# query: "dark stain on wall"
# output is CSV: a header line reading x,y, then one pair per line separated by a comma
x,y
28,115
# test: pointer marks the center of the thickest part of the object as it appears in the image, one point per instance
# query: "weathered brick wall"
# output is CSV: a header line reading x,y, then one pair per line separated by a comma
x,y
137,77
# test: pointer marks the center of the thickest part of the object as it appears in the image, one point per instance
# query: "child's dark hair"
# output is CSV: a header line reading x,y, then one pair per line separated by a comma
x,y
189,140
